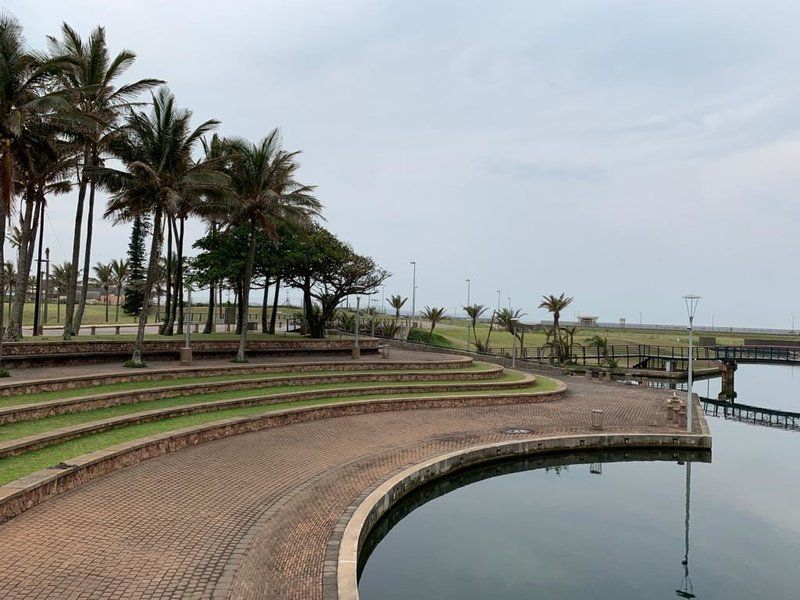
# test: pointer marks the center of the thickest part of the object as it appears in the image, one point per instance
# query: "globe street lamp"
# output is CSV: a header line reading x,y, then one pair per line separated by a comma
x,y
514,322
691,308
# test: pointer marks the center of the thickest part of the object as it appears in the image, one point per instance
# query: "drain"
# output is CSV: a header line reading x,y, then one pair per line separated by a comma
x,y
517,431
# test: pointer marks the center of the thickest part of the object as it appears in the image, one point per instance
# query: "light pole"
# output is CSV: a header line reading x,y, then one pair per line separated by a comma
x,y
514,342
186,351
37,328
509,303
691,308
414,292
383,299
356,349
498,300
465,311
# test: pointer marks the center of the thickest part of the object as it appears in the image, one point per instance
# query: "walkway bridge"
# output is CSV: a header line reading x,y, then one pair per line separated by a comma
x,y
757,415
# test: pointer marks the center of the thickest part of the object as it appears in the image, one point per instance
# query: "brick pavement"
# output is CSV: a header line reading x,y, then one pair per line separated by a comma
x,y
249,516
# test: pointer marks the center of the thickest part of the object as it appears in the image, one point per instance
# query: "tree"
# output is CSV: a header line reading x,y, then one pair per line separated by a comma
x,y
555,304
396,302
601,343
119,277
24,94
509,319
9,280
433,315
104,276
262,180
474,312
91,79
155,148
134,283
59,279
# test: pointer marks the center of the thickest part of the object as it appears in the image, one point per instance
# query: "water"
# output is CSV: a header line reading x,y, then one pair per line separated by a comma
x,y
568,533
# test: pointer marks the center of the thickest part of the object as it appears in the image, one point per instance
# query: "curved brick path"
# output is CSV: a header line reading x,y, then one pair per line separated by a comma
x,y
249,516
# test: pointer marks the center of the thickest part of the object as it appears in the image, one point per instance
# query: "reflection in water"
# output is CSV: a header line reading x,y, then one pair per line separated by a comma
x,y
554,464
686,590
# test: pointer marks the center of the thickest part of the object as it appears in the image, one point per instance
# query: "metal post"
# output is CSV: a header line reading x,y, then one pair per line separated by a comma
x,y
691,308
46,283
498,300
414,292
356,349
468,290
186,351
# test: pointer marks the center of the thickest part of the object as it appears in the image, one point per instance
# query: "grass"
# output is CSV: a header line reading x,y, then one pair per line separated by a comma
x,y
21,429
455,332
14,467
144,385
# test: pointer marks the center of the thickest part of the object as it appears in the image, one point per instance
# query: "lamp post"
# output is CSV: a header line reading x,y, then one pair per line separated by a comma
x,y
498,300
37,329
186,351
383,299
509,303
514,342
467,314
691,308
356,349
413,292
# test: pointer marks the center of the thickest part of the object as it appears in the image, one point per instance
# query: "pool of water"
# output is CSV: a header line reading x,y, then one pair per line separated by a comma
x,y
603,527
769,386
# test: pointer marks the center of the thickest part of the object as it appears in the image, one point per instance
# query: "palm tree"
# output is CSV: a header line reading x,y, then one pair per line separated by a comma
x,y
23,81
397,302
262,179
555,304
433,315
92,80
155,148
9,280
59,280
509,319
104,276
474,312
119,277
601,343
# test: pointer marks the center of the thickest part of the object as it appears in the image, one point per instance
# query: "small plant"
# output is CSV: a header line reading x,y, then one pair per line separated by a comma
x,y
4,372
132,364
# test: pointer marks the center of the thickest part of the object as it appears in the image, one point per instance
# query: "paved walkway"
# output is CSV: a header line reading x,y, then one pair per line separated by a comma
x,y
249,516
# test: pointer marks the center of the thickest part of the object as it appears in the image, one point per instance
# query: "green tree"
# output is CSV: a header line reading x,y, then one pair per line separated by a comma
x,y
601,343
119,277
104,275
155,148
24,94
475,312
556,304
396,302
433,315
92,81
263,182
509,319
137,271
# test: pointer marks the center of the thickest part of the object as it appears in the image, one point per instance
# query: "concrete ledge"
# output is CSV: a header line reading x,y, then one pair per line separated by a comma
x,y
378,502
48,408
11,388
22,494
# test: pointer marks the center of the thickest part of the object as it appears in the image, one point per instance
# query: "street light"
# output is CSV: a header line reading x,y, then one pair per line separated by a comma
x,y
691,308
514,322
498,300
465,311
414,293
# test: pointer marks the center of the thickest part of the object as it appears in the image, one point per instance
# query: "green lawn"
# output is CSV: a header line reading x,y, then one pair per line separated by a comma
x,y
143,385
20,429
14,467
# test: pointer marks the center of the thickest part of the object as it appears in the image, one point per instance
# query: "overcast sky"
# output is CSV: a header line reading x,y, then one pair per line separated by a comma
x,y
625,153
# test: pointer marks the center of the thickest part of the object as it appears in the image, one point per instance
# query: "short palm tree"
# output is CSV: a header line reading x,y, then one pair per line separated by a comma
x,y
266,195
155,147
555,304
59,280
119,277
509,319
396,302
601,343
474,312
104,275
433,315
9,280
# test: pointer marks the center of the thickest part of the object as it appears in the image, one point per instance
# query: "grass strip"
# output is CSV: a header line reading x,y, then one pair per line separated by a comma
x,y
14,467
144,385
11,431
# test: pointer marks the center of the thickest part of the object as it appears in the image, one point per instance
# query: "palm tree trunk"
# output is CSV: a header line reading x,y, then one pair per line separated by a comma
x,y
72,286
274,316
165,328
209,328
24,259
152,268
248,276
4,211
87,252
119,291
106,291
265,306
179,277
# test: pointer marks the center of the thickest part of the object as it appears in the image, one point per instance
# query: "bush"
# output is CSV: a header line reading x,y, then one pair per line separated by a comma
x,y
422,337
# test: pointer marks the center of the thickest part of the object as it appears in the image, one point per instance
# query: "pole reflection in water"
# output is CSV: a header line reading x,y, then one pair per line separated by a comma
x,y
686,589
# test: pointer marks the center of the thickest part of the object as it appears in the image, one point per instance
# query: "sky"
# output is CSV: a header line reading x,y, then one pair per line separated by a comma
x,y
625,153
